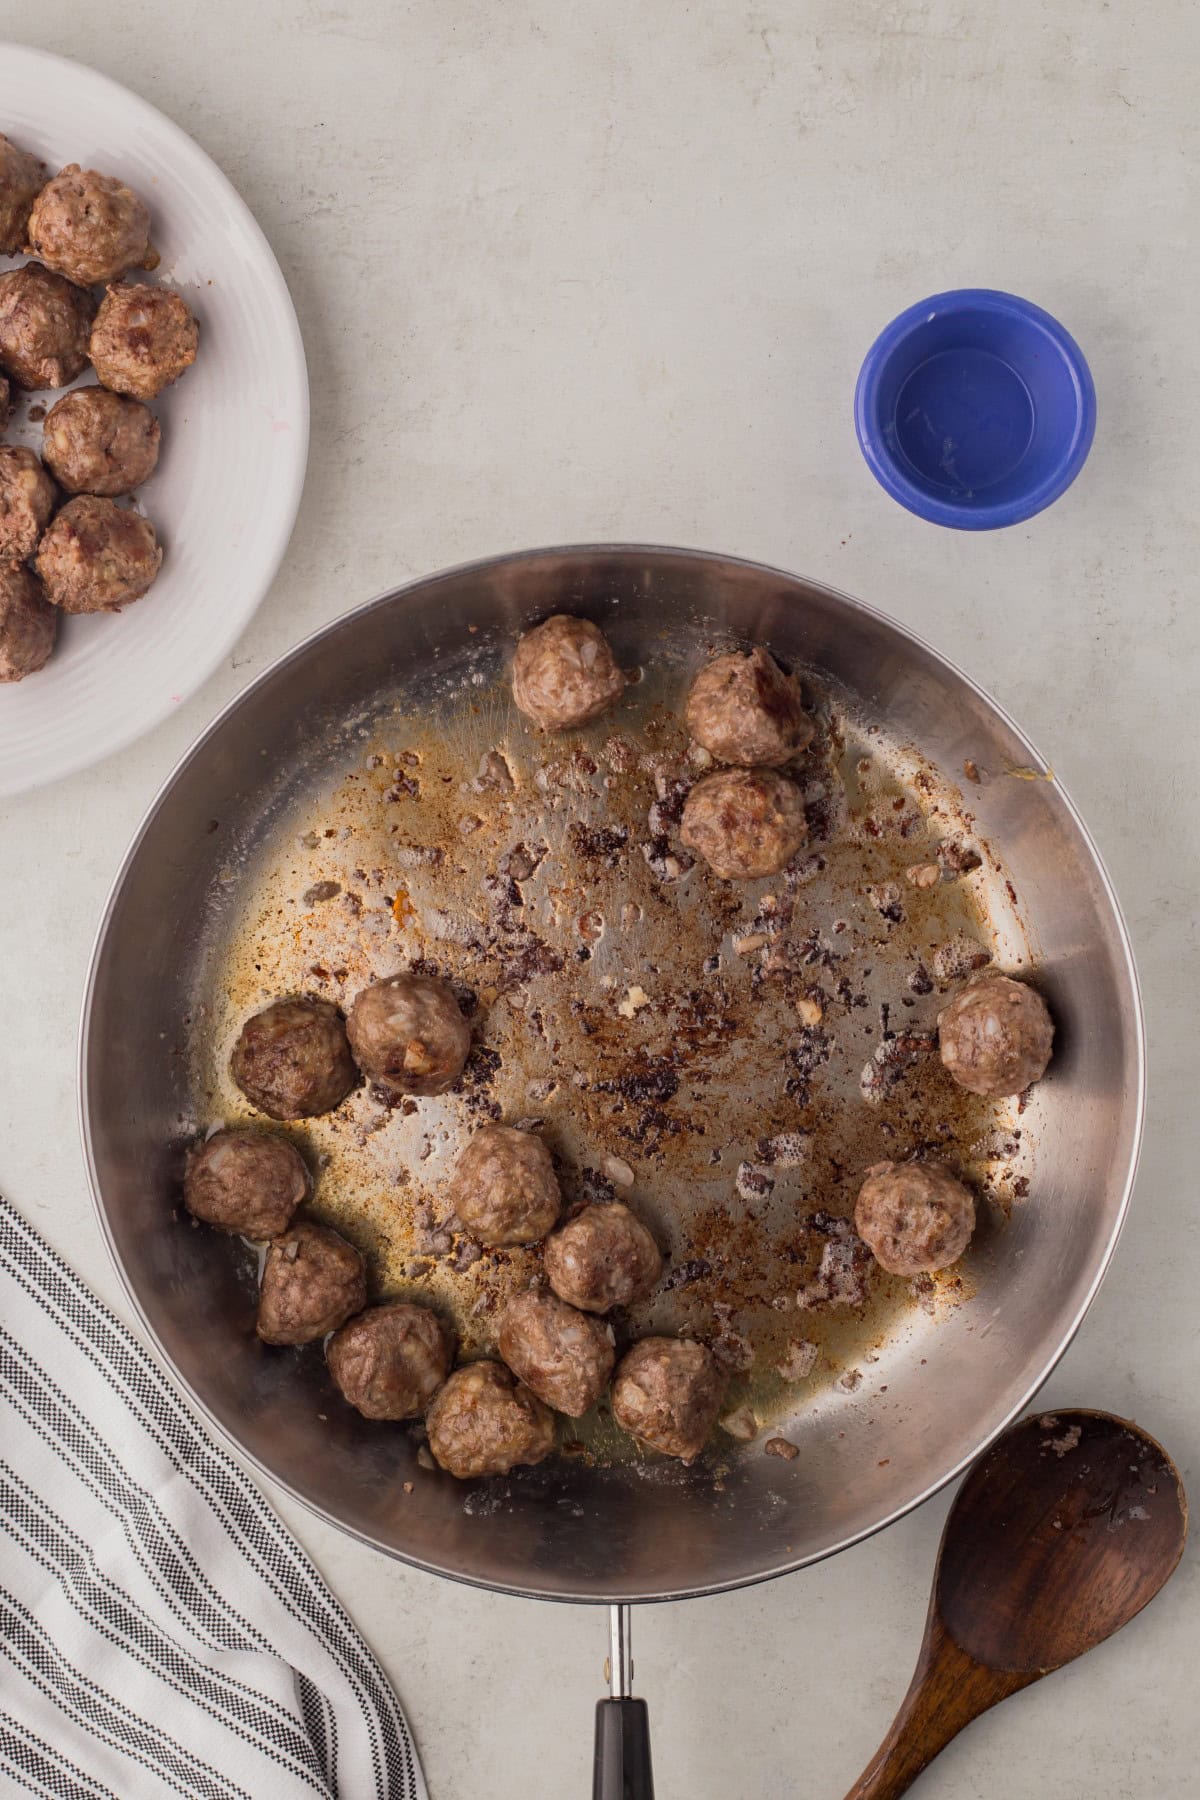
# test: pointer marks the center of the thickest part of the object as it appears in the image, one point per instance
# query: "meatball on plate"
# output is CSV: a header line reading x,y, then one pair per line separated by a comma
x,y
28,622
95,442
143,338
45,323
22,178
229,415
97,556
27,497
89,227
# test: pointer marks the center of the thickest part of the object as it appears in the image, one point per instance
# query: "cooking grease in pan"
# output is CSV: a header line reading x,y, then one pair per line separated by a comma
x,y
728,1057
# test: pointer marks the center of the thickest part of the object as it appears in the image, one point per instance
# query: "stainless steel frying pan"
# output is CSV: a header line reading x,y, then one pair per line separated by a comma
x,y
575,1531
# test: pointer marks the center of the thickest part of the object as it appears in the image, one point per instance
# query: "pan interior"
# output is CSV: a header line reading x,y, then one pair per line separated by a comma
x,y
743,1052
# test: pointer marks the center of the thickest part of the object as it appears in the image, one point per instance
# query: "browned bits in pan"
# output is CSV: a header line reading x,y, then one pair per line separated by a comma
x,y
687,1044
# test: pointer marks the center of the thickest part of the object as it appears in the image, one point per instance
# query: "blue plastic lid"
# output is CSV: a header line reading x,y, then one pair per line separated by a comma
x,y
975,409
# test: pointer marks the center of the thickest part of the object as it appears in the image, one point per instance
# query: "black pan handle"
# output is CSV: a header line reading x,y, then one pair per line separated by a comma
x,y
621,1770
621,1766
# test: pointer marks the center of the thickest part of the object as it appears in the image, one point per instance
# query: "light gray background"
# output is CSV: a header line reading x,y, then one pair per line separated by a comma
x,y
586,271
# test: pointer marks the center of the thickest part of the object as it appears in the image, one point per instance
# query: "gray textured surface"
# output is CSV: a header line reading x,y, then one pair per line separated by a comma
x,y
584,272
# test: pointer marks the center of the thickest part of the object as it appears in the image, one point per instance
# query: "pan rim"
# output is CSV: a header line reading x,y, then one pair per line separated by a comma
x,y
232,1443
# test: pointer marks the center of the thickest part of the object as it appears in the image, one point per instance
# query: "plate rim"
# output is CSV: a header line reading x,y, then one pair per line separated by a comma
x,y
291,344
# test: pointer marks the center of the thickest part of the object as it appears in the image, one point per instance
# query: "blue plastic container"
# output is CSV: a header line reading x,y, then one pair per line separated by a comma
x,y
975,409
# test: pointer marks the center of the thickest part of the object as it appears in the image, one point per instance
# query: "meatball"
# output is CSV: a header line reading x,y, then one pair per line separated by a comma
x,y
745,710
391,1360
28,623
44,325
100,443
565,1356
914,1217
564,673
667,1392
22,177
98,556
603,1257
484,1422
292,1059
246,1181
996,1036
504,1188
27,497
408,1034
311,1283
744,822
143,339
90,227
6,402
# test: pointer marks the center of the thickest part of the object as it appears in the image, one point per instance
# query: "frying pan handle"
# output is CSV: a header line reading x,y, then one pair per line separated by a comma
x,y
621,1768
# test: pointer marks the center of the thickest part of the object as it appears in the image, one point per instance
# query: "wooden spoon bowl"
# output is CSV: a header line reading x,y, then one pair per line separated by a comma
x,y
1061,1533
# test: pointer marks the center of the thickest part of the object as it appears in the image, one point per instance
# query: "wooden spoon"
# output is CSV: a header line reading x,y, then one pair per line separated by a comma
x,y
1060,1534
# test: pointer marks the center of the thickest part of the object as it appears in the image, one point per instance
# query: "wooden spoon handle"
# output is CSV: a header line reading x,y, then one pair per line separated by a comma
x,y
948,1690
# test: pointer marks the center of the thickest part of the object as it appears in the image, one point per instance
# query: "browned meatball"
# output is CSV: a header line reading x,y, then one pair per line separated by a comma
x,y
744,822
27,497
603,1257
22,177
504,1188
6,402
914,1217
292,1059
391,1360
667,1392
408,1034
246,1181
28,623
44,325
565,1356
143,339
100,443
564,673
484,1422
312,1281
745,710
88,226
996,1036
98,556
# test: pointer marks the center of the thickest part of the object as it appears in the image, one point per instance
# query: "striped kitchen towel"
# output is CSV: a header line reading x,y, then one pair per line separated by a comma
x,y
160,1631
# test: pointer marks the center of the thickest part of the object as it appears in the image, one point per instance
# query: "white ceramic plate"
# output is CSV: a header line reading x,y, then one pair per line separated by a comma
x,y
234,431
